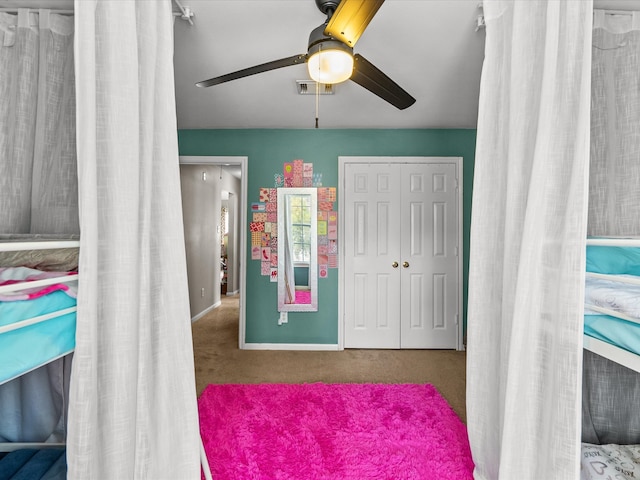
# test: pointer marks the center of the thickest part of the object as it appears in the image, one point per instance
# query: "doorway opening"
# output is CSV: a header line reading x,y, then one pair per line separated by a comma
x,y
203,179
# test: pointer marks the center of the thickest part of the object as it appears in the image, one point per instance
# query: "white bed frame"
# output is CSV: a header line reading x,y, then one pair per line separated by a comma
x,y
13,246
43,244
599,347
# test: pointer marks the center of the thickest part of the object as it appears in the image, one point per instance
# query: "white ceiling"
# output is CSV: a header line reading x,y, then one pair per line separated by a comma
x,y
429,47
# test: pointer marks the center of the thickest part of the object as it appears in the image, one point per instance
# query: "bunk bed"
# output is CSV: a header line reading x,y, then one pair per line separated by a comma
x,y
38,285
611,373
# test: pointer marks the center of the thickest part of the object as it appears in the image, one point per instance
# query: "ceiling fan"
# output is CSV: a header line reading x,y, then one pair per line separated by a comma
x,y
330,57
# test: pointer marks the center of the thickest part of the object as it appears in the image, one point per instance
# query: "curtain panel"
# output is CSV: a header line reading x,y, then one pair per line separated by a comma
x,y
133,411
38,179
614,196
528,235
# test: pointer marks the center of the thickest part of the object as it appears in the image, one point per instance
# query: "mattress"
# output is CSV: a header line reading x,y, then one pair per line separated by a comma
x,y
36,325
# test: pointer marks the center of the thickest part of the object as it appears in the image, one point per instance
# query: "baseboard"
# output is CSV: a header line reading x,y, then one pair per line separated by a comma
x,y
205,311
291,346
235,292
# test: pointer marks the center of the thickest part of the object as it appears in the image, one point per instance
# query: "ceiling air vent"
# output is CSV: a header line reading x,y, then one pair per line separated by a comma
x,y
308,87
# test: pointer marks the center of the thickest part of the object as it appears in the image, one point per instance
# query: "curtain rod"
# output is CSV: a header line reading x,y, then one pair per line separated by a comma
x,y
481,24
185,13
35,10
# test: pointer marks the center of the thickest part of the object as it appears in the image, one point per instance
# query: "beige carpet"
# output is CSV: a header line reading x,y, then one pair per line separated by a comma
x,y
219,360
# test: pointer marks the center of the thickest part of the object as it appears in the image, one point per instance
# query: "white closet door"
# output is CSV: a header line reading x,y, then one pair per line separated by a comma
x,y
372,223
429,256
401,287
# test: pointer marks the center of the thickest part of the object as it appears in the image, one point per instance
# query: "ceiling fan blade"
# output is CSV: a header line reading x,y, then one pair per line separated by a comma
x,y
265,67
368,76
351,18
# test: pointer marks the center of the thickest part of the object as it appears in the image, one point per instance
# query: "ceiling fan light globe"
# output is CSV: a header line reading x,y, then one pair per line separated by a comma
x,y
330,66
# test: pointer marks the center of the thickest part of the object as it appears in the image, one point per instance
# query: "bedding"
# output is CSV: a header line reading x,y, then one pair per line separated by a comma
x,y
22,275
54,337
622,333
56,259
611,259
607,462
612,306
612,297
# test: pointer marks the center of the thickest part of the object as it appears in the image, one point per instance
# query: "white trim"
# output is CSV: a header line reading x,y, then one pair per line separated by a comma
x,y
342,162
613,353
611,277
10,245
205,311
613,313
210,160
35,320
242,258
615,241
293,346
460,212
26,285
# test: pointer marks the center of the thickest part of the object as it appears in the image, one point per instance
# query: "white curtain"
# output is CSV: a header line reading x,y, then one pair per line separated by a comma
x,y
38,180
528,234
132,411
38,185
614,196
289,271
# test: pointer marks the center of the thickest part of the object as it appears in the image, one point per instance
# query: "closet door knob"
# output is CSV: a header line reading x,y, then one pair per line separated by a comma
x,y
394,264
405,264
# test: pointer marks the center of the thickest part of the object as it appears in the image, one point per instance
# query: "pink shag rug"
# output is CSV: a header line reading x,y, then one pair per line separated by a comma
x,y
332,431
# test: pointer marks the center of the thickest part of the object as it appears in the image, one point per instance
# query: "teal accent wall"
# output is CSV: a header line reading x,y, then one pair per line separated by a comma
x,y
267,150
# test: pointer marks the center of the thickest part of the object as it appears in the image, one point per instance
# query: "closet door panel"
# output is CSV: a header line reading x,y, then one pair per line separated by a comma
x,y
429,256
401,255
372,284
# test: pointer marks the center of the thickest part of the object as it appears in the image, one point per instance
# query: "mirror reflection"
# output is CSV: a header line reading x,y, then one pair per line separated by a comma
x,y
297,249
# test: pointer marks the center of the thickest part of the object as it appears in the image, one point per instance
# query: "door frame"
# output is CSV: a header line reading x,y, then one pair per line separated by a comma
x,y
342,162
242,257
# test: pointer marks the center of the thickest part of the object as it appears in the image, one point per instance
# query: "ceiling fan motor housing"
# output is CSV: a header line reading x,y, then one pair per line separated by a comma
x,y
327,6
318,40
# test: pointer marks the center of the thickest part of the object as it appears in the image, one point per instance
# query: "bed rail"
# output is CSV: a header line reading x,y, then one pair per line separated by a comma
x,y
19,245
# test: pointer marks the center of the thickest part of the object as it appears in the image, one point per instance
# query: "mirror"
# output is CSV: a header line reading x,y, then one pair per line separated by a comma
x,y
297,250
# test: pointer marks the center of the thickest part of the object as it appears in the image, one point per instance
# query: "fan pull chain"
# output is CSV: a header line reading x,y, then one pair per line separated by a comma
x,y
317,102
318,89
